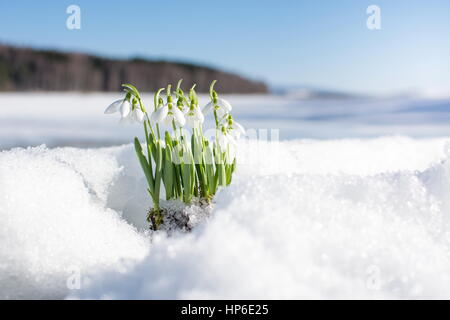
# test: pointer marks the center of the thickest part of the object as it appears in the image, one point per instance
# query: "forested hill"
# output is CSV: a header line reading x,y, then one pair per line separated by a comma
x,y
24,69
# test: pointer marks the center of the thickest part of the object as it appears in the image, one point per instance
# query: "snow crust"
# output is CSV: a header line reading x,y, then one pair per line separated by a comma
x,y
76,119
357,218
55,222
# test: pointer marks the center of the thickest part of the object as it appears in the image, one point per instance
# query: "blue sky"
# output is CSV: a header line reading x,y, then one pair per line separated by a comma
x,y
321,43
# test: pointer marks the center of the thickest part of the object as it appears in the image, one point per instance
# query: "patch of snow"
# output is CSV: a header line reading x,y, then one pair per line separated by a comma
x,y
315,226
54,221
77,119
364,218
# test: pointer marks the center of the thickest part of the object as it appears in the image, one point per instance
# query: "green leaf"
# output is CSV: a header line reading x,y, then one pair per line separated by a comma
x,y
158,174
208,164
152,146
168,139
228,172
211,88
179,84
132,89
168,173
193,95
149,153
222,175
186,177
145,166
156,98
202,179
178,181
209,168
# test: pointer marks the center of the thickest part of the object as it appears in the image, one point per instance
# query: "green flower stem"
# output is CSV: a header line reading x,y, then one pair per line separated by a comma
x,y
216,118
187,167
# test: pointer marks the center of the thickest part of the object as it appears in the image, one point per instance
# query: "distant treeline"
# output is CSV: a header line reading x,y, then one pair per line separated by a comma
x,y
23,69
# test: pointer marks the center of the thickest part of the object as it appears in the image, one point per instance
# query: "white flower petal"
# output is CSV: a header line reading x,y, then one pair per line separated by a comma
x,y
139,115
236,126
160,114
223,141
221,112
199,115
237,130
195,118
168,120
125,109
178,116
208,107
113,107
191,121
132,117
224,104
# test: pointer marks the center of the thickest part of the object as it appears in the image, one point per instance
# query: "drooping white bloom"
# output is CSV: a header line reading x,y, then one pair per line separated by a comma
x,y
125,109
139,115
177,115
127,112
166,114
224,138
134,116
183,107
160,114
119,105
222,107
236,129
227,145
114,107
194,117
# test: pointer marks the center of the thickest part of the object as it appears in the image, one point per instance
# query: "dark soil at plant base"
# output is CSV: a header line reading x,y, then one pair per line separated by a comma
x,y
178,217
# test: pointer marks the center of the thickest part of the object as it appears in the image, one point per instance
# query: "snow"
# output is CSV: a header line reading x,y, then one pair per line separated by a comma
x,y
54,220
354,218
77,119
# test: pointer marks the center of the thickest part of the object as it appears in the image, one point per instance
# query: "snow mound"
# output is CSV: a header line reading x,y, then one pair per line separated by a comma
x,y
334,219
55,222
302,219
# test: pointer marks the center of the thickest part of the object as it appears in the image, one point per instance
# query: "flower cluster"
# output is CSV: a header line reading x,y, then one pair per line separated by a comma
x,y
184,162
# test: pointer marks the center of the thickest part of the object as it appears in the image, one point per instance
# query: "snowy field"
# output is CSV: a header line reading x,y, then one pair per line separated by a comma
x,y
361,214
77,119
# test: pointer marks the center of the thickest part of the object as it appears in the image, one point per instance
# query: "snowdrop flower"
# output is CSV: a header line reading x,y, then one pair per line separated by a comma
x,y
134,116
128,113
220,105
194,117
121,105
227,145
235,128
139,115
184,108
167,114
225,139
160,114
